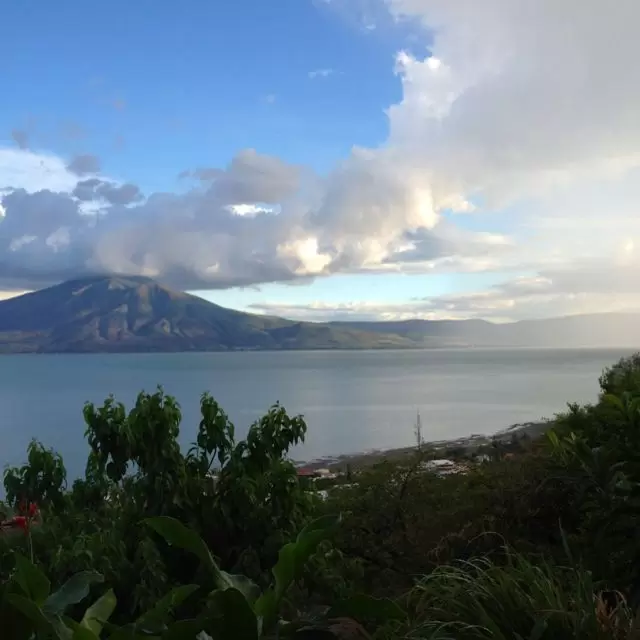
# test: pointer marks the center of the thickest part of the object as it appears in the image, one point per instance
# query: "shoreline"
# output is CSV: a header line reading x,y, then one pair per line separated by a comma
x,y
470,443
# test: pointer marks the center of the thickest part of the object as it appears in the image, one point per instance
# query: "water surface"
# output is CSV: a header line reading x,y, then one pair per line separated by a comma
x,y
353,401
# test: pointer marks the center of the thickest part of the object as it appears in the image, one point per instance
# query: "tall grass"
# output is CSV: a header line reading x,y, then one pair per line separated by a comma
x,y
517,600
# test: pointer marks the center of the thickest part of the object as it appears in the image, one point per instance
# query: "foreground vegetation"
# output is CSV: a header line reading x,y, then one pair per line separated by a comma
x,y
225,541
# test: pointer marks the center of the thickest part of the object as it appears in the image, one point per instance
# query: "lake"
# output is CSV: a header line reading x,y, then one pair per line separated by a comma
x,y
353,400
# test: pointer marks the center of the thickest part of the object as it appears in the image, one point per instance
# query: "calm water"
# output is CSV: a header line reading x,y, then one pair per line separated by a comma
x,y
353,401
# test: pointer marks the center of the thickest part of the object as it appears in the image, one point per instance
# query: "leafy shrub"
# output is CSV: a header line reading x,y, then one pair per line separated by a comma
x,y
245,511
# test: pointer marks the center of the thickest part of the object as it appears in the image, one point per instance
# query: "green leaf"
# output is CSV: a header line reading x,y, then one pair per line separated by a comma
x,y
32,581
99,612
82,633
291,561
183,629
234,620
126,632
61,630
31,611
176,534
294,555
267,606
362,607
74,590
249,589
156,618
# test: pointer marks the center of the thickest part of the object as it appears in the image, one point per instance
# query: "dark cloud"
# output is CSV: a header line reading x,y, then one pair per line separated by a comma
x,y
83,164
293,226
95,189
39,214
20,137
253,177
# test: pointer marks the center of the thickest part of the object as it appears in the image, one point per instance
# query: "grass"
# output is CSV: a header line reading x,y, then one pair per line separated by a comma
x,y
516,600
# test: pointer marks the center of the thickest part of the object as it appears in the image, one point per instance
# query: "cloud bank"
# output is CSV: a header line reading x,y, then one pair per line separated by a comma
x,y
515,149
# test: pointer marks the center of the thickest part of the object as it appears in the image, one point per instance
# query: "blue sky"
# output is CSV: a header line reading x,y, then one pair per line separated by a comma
x,y
190,86
451,205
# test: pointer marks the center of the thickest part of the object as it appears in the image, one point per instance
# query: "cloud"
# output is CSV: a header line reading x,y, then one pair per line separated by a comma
x,y
20,137
116,194
552,294
321,73
515,148
503,116
24,169
5,295
84,164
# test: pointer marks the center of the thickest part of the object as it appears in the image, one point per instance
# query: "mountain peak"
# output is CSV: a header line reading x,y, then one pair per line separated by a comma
x,y
136,313
120,313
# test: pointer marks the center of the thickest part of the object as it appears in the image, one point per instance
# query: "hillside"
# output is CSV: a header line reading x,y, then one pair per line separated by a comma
x,y
136,314
594,330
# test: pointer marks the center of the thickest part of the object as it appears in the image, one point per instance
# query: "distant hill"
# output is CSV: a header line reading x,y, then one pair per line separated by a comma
x,y
594,330
136,314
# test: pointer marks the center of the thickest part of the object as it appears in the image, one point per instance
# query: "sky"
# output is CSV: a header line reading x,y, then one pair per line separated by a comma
x,y
327,159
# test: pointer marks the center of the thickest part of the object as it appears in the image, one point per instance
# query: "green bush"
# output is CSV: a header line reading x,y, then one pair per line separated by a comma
x,y
572,498
136,469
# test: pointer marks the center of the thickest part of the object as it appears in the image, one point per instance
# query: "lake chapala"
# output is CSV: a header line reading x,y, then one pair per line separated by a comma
x,y
352,400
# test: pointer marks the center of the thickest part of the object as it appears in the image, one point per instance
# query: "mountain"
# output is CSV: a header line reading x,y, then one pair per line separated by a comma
x,y
136,314
593,330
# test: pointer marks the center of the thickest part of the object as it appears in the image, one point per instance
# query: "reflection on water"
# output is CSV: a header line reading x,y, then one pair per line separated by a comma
x,y
352,400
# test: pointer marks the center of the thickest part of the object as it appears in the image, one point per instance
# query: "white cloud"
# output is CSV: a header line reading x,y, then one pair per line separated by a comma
x,y
22,169
522,114
538,296
321,73
249,210
5,295
522,98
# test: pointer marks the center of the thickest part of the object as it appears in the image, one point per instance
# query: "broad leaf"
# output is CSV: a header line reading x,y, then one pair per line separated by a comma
x,y
183,629
99,612
176,534
156,618
235,619
74,590
249,589
82,633
294,555
291,561
31,611
267,607
61,630
32,581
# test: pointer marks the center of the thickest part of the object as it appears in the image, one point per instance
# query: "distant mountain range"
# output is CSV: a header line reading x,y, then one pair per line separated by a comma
x,y
136,314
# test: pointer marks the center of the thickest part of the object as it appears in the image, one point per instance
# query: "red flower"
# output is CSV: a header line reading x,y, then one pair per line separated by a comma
x,y
33,509
20,521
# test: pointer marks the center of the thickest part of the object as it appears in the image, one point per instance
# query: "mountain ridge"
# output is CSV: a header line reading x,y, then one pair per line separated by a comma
x,y
129,314
137,314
